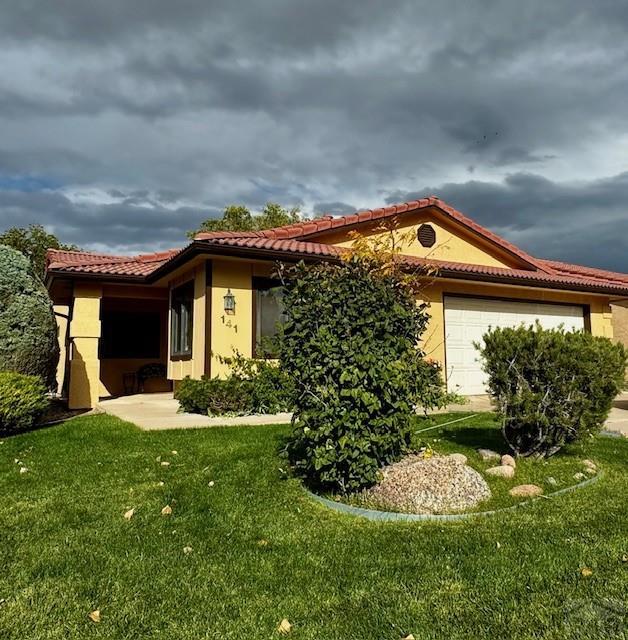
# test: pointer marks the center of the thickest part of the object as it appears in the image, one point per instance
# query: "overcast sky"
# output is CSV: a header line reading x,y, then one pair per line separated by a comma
x,y
124,124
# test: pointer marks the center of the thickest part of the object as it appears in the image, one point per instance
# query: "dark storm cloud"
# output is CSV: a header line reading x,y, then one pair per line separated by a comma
x,y
161,113
123,226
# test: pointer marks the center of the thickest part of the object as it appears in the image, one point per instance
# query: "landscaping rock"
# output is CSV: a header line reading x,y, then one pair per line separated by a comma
x,y
526,491
552,481
460,458
589,464
579,476
436,485
509,461
488,454
503,471
590,470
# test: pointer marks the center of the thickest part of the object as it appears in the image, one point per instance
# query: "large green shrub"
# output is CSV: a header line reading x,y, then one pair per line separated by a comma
x,y
252,386
28,330
350,344
551,386
22,400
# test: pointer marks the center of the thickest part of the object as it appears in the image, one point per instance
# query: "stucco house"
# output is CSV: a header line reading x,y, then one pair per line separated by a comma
x,y
186,308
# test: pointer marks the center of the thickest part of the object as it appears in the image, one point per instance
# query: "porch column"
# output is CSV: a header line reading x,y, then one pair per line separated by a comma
x,y
84,335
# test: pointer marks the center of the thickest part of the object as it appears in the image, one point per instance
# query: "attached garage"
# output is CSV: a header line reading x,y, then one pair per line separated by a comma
x,y
468,319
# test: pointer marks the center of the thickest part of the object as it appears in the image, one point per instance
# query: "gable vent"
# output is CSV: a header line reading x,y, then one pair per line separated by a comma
x,y
426,235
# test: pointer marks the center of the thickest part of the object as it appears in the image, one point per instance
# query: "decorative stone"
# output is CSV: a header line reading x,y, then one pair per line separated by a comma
x,y
579,476
589,463
503,471
438,484
590,470
509,461
526,491
488,454
459,458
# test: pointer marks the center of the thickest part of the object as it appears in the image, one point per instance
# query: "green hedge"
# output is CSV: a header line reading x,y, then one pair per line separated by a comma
x,y
253,386
22,401
28,330
551,386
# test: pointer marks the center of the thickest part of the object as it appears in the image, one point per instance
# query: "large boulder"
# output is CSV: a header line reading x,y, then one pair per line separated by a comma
x,y
28,329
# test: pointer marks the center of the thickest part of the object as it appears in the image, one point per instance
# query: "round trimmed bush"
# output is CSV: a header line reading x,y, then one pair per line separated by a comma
x,y
28,329
22,400
551,386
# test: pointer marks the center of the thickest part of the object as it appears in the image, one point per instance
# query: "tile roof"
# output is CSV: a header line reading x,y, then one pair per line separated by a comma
x,y
138,266
309,228
302,240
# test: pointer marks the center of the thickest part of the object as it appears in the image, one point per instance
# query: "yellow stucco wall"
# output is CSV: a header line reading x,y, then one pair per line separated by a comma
x,y
231,332
620,322
434,292
62,317
453,242
84,388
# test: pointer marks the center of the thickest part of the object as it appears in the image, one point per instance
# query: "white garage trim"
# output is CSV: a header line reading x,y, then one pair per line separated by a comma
x,y
467,319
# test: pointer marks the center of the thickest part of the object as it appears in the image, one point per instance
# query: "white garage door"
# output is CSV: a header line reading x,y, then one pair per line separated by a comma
x,y
468,319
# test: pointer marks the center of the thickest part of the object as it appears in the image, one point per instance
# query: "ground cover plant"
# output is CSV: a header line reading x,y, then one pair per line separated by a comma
x,y
244,547
23,400
551,387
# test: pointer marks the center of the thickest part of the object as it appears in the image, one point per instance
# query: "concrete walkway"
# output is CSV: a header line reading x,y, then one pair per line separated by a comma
x,y
156,411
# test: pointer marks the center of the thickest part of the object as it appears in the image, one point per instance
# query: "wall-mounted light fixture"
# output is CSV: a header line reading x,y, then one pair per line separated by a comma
x,y
229,300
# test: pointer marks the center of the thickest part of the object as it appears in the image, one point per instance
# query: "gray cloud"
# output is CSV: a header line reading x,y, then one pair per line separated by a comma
x,y
130,122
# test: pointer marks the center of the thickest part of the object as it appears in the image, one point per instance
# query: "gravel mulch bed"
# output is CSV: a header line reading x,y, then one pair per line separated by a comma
x,y
439,484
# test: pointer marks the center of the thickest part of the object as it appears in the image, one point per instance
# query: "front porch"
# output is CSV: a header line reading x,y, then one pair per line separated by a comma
x,y
114,342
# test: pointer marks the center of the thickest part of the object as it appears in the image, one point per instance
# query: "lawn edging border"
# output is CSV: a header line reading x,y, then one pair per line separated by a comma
x,y
393,516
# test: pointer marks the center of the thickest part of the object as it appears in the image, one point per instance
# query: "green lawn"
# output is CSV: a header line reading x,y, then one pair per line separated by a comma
x,y
262,550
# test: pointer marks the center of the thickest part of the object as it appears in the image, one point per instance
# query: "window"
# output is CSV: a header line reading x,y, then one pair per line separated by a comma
x,y
181,306
130,334
268,313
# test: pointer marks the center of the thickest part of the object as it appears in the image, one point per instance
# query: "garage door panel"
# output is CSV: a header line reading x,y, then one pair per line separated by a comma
x,y
468,319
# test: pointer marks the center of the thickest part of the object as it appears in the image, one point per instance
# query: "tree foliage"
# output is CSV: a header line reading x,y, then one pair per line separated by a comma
x,y
240,218
33,241
28,330
552,387
350,343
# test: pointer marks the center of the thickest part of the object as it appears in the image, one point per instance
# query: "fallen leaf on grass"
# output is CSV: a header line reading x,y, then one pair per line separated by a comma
x,y
408,637
174,453
210,483
165,464
284,627
160,483
167,510
586,572
23,469
624,558
187,550
262,543
129,514
94,616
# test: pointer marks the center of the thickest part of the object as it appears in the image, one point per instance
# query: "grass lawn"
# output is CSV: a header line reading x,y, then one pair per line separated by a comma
x,y
263,551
